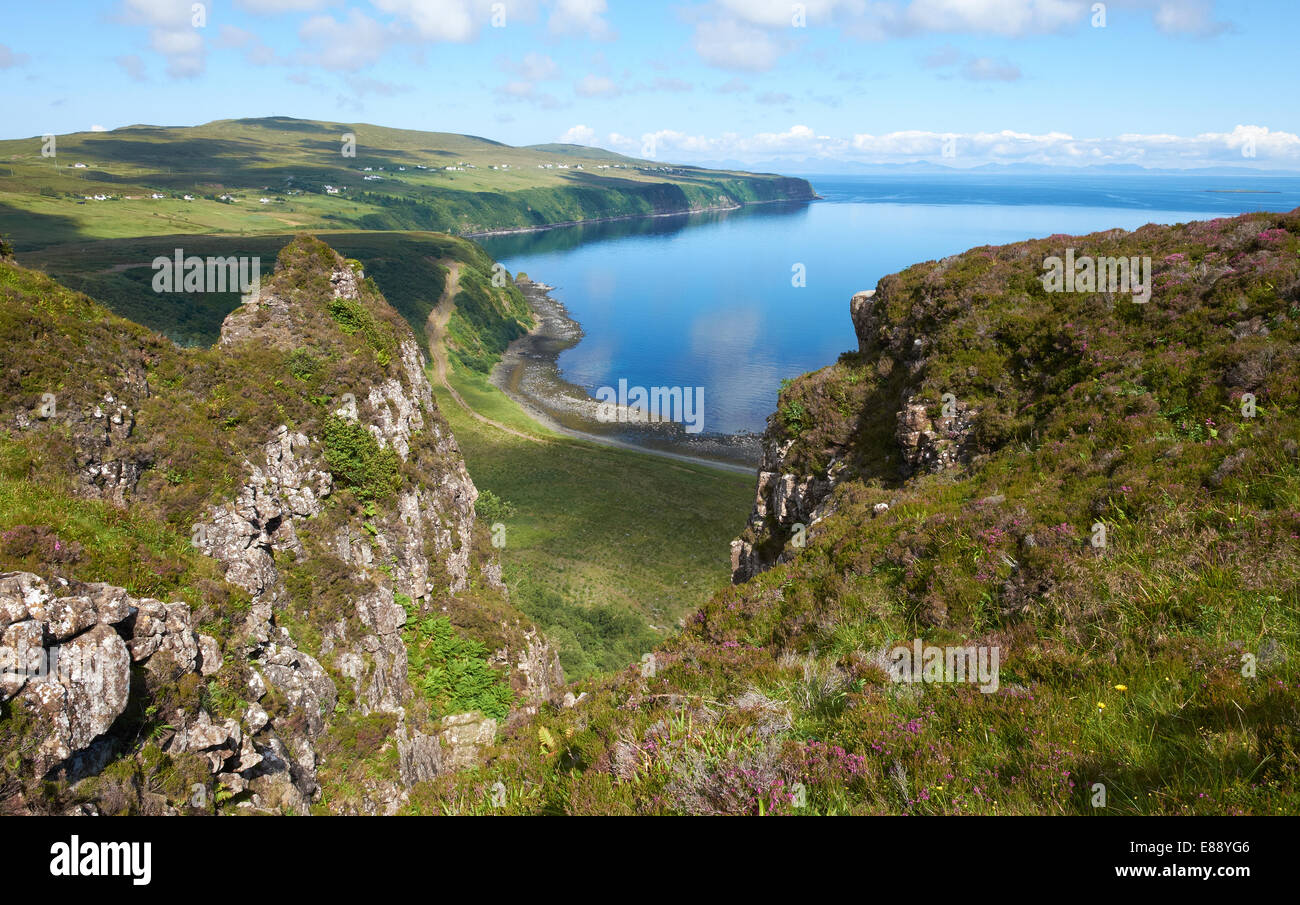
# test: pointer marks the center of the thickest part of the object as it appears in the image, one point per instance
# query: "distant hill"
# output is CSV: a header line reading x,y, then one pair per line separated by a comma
x,y
581,151
278,174
820,166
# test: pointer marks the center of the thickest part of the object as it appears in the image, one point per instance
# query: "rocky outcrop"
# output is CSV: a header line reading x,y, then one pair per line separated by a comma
x,y
783,500
67,657
464,735
106,467
417,547
245,533
789,503
325,577
534,669
932,445
67,673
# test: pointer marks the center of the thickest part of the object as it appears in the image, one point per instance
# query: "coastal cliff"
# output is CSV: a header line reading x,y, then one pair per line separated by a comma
x,y
259,565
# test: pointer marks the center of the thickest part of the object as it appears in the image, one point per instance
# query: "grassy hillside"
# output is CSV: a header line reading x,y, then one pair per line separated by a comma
x,y
1154,673
606,549
290,162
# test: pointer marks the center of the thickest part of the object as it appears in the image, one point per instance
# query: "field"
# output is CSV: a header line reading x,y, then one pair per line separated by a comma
x,y
606,549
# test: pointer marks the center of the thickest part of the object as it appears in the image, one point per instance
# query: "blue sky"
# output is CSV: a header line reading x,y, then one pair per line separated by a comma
x,y
1163,83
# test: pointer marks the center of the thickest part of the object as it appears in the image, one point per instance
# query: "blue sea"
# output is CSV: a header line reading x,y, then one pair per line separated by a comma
x,y
707,300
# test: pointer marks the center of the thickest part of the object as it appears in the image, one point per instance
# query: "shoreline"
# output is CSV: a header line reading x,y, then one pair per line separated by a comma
x,y
520,230
528,373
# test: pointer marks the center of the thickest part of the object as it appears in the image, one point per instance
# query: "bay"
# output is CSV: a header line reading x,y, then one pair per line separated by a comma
x,y
708,300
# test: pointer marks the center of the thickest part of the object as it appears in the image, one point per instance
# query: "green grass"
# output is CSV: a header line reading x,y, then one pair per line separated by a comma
x,y
452,671
608,548
289,162
46,528
483,397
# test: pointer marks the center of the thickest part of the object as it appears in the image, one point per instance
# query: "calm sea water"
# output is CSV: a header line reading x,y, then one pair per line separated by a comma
x,y
707,299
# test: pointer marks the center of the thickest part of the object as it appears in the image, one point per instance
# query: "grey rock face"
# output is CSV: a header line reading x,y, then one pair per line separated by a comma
x,y
933,445
782,500
464,735
785,498
67,662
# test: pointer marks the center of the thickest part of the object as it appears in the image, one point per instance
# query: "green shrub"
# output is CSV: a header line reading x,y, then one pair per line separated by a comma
x,y
491,508
452,671
356,458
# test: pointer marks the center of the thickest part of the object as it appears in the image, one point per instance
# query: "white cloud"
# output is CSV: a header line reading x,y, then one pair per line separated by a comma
x,y
183,49
797,139
97,128
275,7
581,17
987,69
435,20
1280,148
132,65
780,13
729,44
884,18
159,13
253,48
1272,149
347,46
596,86
526,92
173,32
1189,17
579,135
752,34
1007,18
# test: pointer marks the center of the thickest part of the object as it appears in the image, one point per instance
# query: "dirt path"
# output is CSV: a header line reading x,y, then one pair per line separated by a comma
x,y
435,328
